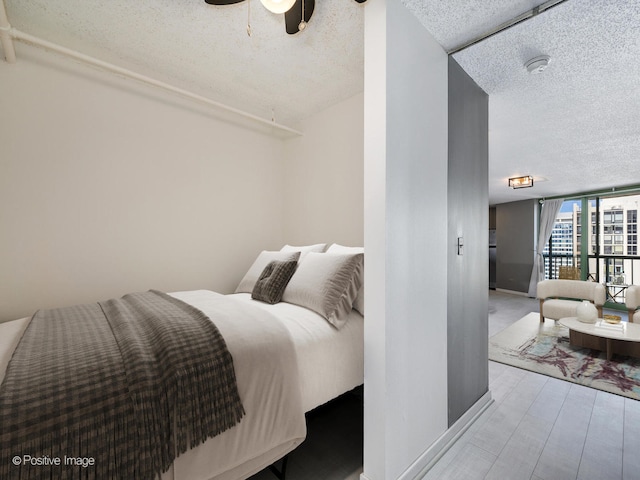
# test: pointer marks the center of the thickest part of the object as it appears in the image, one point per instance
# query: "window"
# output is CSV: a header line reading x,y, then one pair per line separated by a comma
x,y
563,248
609,240
612,216
632,232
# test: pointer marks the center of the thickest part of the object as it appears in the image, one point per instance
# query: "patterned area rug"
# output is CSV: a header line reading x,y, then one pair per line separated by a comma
x,y
544,348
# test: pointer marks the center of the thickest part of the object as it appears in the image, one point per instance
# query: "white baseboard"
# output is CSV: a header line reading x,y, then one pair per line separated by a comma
x,y
428,459
512,292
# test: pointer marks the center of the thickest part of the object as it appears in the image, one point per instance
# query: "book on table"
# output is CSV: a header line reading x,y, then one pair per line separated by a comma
x,y
614,327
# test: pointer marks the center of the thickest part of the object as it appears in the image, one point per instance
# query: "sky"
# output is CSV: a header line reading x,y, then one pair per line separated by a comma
x,y
567,205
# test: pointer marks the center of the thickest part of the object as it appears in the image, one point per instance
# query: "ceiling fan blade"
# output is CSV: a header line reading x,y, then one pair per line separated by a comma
x,y
293,16
222,2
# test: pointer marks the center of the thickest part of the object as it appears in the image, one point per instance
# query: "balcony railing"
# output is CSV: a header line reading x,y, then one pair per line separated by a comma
x,y
552,264
616,272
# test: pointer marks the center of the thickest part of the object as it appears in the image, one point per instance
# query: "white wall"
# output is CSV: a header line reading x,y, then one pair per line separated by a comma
x,y
406,242
324,177
107,187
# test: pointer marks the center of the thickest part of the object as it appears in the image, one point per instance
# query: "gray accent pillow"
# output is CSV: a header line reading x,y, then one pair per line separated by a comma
x,y
251,277
358,304
274,278
326,283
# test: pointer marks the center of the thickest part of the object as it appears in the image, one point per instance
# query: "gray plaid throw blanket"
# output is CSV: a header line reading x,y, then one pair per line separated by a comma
x,y
113,390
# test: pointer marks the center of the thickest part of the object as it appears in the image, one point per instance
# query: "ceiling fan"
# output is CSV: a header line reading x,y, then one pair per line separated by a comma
x,y
294,11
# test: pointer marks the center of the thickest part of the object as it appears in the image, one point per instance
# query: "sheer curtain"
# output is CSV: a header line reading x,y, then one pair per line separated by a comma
x,y
548,216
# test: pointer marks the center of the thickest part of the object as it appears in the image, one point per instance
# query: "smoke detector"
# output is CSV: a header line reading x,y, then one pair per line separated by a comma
x,y
538,64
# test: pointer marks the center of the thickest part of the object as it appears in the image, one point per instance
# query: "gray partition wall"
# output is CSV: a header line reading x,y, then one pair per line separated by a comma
x,y
515,240
468,265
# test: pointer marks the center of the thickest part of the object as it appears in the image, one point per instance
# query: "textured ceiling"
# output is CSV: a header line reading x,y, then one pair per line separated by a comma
x,y
576,126
206,49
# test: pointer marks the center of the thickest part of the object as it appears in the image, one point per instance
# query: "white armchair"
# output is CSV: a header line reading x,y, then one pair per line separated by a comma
x,y
560,298
632,300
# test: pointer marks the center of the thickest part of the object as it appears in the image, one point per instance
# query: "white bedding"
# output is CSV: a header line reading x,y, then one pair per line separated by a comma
x,y
329,363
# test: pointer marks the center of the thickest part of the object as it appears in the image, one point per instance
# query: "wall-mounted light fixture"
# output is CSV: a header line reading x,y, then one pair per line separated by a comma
x,y
521,182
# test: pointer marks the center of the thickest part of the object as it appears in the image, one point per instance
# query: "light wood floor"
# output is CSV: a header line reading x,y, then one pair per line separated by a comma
x,y
542,428
538,428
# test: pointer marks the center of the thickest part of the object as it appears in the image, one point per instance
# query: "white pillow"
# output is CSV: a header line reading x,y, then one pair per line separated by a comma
x,y
251,277
318,247
326,283
358,304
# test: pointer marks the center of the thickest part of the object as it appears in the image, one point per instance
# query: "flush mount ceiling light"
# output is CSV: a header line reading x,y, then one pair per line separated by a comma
x,y
521,182
538,64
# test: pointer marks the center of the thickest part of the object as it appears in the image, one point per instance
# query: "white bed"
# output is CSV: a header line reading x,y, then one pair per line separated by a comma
x,y
289,356
329,362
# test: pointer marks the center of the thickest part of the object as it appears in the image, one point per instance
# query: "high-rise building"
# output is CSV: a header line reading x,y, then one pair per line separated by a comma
x,y
612,241
563,244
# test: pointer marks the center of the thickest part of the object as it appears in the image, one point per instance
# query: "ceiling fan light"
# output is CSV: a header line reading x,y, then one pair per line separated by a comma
x,y
278,6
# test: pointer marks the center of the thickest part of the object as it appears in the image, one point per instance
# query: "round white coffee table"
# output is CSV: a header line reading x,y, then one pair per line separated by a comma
x,y
624,340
